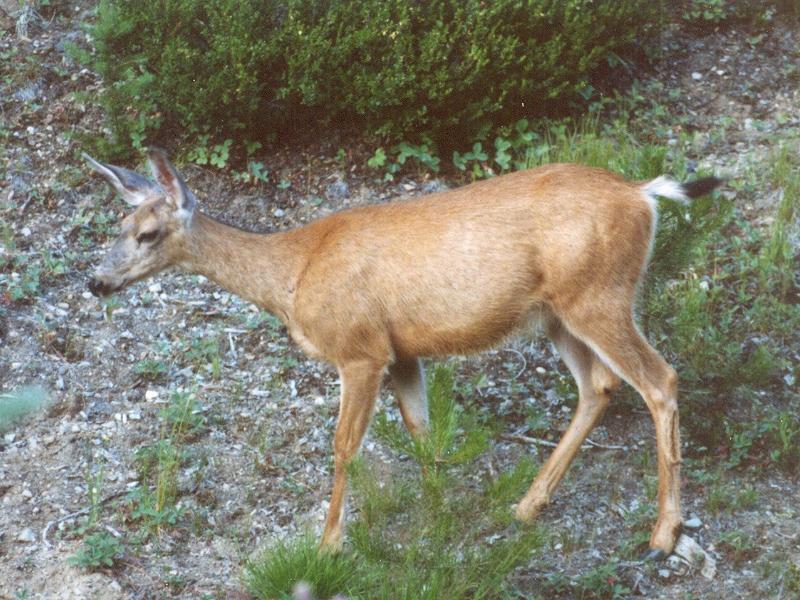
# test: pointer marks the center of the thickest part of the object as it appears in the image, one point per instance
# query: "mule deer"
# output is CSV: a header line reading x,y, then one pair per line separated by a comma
x,y
378,287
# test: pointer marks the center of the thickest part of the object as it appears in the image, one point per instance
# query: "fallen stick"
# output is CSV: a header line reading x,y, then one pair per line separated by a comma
x,y
77,513
526,439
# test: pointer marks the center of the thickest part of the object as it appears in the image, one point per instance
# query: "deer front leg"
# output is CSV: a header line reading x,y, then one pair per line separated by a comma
x,y
360,381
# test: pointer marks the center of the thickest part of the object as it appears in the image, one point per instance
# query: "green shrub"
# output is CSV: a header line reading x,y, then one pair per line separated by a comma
x,y
445,64
228,67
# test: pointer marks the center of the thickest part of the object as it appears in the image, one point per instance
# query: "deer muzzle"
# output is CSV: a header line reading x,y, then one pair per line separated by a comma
x,y
101,288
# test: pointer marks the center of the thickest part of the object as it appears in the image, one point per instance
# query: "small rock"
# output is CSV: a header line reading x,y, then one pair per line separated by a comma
x,y
693,523
664,573
26,535
337,190
433,186
697,76
151,395
278,212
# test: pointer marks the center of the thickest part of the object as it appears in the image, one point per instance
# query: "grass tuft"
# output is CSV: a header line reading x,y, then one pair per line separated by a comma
x,y
19,404
278,570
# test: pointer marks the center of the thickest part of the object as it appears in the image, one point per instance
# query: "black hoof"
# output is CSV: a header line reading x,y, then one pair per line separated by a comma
x,y
654,555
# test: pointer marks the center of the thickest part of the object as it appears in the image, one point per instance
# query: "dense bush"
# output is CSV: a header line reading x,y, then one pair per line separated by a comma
x,y
247,68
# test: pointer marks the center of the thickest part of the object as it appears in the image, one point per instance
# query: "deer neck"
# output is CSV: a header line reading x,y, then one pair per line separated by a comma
x,y
261,268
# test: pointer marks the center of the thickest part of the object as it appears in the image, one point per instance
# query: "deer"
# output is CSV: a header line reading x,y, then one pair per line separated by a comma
x,y
560,249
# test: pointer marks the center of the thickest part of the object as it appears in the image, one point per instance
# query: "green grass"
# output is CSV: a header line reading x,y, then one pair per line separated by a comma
x,y
729,323
17,405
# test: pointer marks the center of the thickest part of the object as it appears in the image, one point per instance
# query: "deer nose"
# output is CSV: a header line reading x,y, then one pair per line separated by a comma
x,y
97,287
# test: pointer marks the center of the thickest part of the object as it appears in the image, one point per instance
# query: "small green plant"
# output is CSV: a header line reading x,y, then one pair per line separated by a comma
x,y
25,287
183,416
725,497
205,153
255,172
711,11
772,433
602,582
423,155
204,353
99,550
110,304
157,508
151,369
476,157
792,578
738,546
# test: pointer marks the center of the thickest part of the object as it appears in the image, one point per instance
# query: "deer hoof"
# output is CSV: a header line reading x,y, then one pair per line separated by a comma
x,y
654,555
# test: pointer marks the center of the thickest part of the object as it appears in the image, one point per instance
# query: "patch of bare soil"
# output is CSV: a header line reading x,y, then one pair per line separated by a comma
x,y
262,470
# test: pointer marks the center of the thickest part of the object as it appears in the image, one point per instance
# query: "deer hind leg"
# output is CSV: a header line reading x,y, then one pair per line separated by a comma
x,y
595,385
360,381
408,378
622,347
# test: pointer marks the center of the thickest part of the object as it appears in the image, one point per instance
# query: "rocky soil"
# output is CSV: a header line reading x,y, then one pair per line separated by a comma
x,y
262,468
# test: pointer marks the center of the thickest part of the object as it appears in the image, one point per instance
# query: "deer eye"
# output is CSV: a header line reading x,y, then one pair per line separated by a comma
x,y
147,236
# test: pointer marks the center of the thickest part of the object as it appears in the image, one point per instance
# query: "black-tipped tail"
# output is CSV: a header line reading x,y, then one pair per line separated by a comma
x,y
700,187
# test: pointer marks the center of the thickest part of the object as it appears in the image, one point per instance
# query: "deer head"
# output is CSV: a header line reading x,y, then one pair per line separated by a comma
x,y
154,236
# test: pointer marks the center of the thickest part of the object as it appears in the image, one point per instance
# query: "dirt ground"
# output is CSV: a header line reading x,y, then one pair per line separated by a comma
x,y
263,469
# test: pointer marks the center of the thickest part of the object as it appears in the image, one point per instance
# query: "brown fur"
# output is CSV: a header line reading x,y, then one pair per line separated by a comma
x,y
449,273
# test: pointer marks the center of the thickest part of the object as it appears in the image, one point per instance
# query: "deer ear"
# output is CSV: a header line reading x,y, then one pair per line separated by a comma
x,y
133,188
171,183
